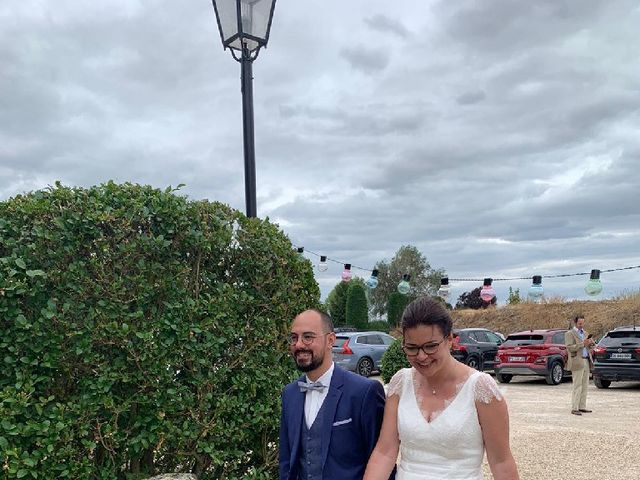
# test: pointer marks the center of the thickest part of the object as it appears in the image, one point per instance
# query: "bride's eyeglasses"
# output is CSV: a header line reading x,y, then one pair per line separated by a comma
x,y
427,348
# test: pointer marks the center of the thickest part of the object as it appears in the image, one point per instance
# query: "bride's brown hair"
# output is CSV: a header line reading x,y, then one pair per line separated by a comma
x,y
426,311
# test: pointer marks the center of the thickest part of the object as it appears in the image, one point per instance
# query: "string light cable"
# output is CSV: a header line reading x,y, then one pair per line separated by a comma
x,y
452,279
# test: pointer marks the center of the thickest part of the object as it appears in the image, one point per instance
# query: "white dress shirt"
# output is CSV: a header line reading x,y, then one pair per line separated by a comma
x,y
314,399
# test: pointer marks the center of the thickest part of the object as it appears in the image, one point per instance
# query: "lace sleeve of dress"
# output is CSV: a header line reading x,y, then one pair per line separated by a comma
x,y
486,389
395,385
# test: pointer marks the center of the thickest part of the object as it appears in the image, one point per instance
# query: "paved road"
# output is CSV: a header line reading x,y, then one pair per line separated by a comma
x,y
551,444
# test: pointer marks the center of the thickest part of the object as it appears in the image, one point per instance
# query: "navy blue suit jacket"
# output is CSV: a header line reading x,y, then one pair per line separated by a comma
x,y
353,413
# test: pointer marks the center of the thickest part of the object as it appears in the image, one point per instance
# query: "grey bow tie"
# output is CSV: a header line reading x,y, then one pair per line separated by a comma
x,y
309,387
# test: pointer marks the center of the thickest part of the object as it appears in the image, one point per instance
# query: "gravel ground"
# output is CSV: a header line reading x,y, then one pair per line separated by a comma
x,y
549,443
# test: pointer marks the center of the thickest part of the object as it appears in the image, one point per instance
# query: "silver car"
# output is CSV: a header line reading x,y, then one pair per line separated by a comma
x,y
360,352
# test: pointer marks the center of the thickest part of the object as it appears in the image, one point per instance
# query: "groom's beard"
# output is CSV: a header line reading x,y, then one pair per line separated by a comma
x,y
307,364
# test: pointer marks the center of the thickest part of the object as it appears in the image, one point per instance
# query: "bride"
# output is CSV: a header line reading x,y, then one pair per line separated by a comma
x,y
440,414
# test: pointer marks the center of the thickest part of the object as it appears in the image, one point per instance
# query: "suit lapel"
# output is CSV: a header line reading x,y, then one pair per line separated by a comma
x,y
576,337
297,415
330,406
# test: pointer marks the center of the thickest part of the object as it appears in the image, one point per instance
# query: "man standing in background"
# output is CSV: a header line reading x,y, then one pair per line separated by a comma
x,y
579,345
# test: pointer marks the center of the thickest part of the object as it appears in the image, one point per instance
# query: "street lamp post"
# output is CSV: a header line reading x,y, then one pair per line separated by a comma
x,y
244,28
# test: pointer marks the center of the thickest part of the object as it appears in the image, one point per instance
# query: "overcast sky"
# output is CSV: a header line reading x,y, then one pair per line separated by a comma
x,y
502,138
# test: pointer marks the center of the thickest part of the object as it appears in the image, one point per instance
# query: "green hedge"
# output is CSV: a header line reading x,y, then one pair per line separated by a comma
x,y
357,310
393,360
378,326
140,333
397,303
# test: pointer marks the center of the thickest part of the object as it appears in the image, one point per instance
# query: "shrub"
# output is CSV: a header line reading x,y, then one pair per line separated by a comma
x,y
336,304
393,360
397,303
357,311
140,332
378,326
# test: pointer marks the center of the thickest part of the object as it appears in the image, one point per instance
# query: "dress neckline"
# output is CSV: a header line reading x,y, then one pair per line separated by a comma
x,y
447,403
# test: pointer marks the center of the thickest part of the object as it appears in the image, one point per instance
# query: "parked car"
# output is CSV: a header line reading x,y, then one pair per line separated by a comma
x,y
477,347
360,352
617,357
533,352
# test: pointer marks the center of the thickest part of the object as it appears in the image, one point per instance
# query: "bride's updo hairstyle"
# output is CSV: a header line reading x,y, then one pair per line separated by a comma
x,y
426,311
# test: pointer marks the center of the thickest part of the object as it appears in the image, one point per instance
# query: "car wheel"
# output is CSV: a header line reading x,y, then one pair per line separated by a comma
x,y
365,367
473,362
554,374
598,382
504,377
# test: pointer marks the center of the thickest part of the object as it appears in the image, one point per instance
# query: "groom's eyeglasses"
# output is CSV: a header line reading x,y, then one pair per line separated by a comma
x,y
427,348
307,338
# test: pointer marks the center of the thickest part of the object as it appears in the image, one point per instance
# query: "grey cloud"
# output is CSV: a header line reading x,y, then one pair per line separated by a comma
x,y
383,23
469,98
508,144
365,59
504,26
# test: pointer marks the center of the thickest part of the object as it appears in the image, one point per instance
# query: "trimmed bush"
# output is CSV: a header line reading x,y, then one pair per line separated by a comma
x,y
397,303
336,304
357,311
378,326
393,360
142,333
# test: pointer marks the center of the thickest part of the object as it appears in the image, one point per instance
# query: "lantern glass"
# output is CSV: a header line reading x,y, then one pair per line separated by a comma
x,y
346,273
593,287
487,293
536,292
253,26
444,292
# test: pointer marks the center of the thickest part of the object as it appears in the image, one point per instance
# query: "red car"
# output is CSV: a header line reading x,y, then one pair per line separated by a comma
x,y
533,352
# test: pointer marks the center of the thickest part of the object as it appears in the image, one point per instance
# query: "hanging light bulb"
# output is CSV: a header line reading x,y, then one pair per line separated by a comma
x,y
404,286
487,294
373,280
322,266
535,290
594,285
444,290
346,273
300,250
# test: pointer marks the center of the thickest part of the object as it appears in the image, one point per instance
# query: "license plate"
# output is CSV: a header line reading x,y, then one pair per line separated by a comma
x,y
517,359
621,356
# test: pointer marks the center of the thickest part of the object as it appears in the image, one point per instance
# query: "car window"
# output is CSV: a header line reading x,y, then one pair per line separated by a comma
x,y
375,340
481,336
387,339
340,341
558,338
471,337
621,339
524,339
363,339
493,338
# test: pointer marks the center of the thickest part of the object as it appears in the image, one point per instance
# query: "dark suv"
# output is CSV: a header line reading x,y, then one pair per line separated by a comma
x,y
533,352
617,357
477,347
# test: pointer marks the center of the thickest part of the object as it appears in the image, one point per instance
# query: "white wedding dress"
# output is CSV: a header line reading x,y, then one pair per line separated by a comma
x,y
450,445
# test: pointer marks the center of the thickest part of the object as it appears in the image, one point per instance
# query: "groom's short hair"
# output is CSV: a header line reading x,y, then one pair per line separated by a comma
x,y
327,322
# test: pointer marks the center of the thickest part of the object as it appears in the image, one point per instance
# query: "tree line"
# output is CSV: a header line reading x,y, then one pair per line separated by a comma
x,y
353,304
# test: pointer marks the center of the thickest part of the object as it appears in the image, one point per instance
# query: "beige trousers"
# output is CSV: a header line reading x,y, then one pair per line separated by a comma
x,y
580,379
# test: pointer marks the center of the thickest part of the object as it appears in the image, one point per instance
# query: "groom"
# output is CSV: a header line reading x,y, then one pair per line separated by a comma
x,y
331,418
